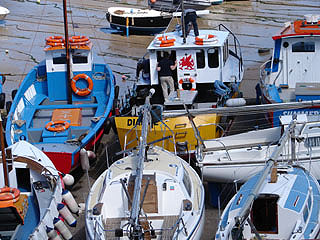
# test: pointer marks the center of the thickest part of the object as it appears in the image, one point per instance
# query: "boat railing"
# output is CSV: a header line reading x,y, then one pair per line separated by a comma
x,y
266,69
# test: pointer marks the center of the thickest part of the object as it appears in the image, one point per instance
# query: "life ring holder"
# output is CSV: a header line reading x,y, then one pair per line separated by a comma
x,y
9,194
51,126
85,91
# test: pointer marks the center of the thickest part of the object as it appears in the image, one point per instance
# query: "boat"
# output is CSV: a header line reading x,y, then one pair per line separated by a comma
x,y
209,72
237,157
3,13
30,192
280,202
141,21
216,2
291,74
63,102
149,193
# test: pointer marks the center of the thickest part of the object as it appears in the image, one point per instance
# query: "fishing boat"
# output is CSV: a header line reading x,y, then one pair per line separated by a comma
x,y
3,13
150,193
280,202
31,190
208,74
62,104
291,74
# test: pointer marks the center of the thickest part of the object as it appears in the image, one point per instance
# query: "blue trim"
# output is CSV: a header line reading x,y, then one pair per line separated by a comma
x,y
277,47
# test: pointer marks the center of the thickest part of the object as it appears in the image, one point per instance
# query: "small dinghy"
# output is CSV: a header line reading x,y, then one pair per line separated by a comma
x,y
280,202
150,193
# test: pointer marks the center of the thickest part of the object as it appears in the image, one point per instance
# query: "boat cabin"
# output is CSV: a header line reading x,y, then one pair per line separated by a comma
x,y
292,73
209,66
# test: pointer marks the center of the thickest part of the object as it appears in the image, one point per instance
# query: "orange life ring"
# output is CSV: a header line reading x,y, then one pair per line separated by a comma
x,y
54,44
78,39
85,91
8,194
51,126
55,39
165,41
205,39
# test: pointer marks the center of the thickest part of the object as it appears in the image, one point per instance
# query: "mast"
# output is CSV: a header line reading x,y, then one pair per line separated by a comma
x,y
4,161
66,36
135,207
245,210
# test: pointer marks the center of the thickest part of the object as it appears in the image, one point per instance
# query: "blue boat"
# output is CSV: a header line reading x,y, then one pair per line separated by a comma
x,y
291,75
61,105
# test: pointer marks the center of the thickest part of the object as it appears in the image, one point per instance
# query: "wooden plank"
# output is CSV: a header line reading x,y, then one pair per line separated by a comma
x,y
168,223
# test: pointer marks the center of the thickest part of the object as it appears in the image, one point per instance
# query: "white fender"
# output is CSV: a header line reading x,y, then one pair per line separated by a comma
x,y
91,154
82,207
62,228
69,200
68,179
84,159
235,102
52,234
67,215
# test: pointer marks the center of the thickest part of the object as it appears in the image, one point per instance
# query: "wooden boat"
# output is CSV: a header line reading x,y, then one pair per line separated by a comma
x,y
202,81
151,193
280,202
292,74
62,104
3,12
29,194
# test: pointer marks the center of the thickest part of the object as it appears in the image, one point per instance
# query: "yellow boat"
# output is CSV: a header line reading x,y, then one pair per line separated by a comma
x,y
180,127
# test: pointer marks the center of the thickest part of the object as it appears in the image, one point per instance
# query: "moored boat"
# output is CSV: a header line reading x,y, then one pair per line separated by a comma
x,y
291,75
208,74
30,193
151,193
62,104
280,202
3,12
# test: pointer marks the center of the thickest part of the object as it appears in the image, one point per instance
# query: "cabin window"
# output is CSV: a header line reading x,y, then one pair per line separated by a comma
x,y
200,59
303,47
186,181
213,57
225,52
264,214
59,58
79,58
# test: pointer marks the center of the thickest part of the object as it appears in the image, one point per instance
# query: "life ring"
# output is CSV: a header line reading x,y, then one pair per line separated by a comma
x,y
55,44
8,194
186,80
205,39
301,27
78,39
51,126
85,91
55,39
165,41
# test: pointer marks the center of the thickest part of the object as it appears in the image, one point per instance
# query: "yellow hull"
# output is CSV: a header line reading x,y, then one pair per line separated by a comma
x,y
180,126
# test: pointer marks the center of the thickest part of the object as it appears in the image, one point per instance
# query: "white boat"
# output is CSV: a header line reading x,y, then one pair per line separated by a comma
x,y
291,75
237,157
150,193
3,12
30,195
280,202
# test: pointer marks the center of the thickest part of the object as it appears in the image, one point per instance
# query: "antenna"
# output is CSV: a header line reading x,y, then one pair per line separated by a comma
x,y
66,36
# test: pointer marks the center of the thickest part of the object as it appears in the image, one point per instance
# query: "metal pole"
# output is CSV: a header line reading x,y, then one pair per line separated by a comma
x,y
66,36
183,22
4,161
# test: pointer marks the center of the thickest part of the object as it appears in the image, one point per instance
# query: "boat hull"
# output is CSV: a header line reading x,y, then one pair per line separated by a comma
x,y
180,126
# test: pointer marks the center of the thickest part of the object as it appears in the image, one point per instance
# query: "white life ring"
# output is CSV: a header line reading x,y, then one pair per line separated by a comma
x,y
206,39
186,80
164,41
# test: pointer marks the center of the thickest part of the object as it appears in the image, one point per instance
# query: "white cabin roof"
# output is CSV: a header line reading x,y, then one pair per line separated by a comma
x,y
220,38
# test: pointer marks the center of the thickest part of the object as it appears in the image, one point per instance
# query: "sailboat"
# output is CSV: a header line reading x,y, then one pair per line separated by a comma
x,y
151,193
62,104
280,202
